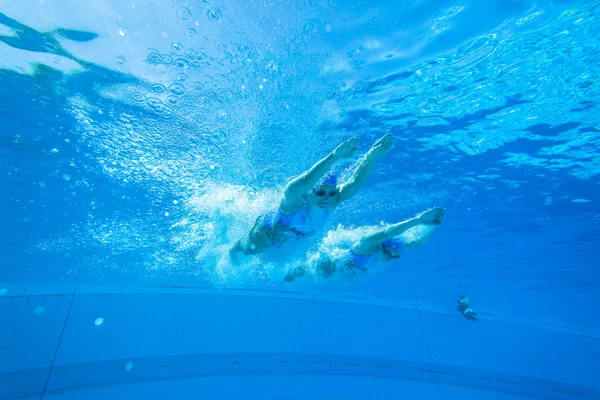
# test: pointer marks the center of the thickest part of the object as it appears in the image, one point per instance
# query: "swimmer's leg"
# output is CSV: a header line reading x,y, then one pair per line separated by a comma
x,y
430,218
324,268
295,273
256,242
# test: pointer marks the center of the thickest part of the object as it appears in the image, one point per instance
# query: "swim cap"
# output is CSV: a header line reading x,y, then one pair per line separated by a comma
x,y
328,179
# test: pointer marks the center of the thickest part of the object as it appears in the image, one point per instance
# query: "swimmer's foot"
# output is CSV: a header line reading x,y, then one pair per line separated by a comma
x,y
435,216
470,314
297,272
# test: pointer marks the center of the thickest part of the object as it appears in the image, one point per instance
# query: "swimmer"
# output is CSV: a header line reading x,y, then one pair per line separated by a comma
x,y
465,309
379,247
309,197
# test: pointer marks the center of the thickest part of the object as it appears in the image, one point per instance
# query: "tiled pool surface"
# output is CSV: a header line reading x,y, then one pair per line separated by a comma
x,y
154,342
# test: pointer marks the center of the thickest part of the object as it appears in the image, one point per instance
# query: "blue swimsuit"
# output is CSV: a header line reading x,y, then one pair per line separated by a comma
x,y
361,262
297,224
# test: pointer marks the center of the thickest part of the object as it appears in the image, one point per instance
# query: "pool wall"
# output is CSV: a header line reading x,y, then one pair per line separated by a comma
x,y
63,342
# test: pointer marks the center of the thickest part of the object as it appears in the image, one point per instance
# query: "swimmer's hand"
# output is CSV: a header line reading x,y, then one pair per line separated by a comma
x,y
347,148
381,147
435,216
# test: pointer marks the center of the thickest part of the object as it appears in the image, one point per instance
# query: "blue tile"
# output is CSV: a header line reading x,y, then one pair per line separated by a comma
x,y
453,340
22,384
97,289
28,356
11,289
86,394
37,329
264,386
464,393
18,307
36,290
4,306
7,331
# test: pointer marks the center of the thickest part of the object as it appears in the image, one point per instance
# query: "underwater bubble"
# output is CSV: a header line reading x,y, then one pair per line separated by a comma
x,y
166,214
212,167
328,28
154,58
214,14
175,202
159,88
177,46
128,366
190,32
3,291
310,27
39,309
159,107
191,53
121,32
138,97
181,63
177,89
99,321
66,177
121,60
166,59
171,99
184,13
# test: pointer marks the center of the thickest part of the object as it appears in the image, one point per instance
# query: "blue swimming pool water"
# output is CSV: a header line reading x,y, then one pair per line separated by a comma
x,y
138,140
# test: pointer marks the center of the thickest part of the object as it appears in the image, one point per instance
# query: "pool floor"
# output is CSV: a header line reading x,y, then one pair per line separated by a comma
x,y
157,342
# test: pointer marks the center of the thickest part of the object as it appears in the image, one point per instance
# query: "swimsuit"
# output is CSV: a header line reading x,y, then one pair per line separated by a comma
x,y
283,227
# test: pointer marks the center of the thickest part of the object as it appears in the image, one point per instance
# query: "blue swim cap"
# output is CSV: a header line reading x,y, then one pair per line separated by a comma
x,y
328,179
394,243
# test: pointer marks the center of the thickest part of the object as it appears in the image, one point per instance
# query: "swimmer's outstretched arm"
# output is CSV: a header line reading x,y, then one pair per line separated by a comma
x,y
365,167
304,182
368,243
